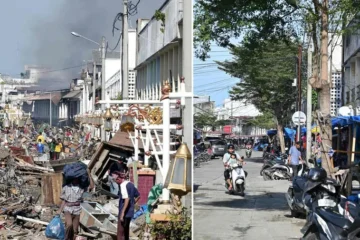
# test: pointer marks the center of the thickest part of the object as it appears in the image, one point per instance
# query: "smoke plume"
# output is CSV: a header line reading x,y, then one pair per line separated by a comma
x,y
52,46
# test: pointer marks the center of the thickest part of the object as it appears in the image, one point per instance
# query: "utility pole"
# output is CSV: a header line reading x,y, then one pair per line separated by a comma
x,y
231,112
103,79
299,90
125,58
309,102
94,86
50,122
187,71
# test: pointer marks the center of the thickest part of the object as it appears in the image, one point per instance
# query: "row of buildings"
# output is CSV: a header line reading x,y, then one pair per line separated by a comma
x,y
155,55
237,114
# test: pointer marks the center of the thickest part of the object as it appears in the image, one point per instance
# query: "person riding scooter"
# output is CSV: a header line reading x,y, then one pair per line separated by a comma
x,y
248,151
226,159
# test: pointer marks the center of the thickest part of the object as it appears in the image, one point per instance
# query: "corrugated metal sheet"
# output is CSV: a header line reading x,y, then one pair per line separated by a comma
x,y
73,94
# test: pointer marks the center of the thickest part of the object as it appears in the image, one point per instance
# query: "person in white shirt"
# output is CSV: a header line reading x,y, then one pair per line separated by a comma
x,y
226,161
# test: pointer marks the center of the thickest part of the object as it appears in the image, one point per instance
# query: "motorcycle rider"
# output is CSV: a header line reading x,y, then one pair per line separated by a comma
x,y
226,161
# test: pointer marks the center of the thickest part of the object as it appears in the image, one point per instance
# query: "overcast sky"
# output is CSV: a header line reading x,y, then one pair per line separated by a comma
x,y
38,32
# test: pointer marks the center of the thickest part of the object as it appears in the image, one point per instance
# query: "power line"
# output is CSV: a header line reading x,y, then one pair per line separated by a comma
x,y
222,80
133,8
56,70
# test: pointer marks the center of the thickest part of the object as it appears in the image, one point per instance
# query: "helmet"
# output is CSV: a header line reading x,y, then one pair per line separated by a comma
x,y
317,175
231,146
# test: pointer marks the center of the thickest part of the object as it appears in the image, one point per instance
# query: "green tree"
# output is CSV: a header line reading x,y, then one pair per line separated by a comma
x,y
205,119
265,120
221,123
222,20
266,74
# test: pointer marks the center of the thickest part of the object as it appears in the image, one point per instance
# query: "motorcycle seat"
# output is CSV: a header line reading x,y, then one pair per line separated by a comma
x,y
334,218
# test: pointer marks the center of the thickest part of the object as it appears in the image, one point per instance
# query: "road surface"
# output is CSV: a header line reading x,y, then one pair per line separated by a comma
x,y
262,214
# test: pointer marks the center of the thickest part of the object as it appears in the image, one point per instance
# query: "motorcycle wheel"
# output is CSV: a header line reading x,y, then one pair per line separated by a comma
x,y
311,236
262,171
294,214
266,177
241,189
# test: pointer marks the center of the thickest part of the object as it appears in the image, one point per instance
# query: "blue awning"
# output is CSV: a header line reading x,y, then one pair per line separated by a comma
x,y
288,132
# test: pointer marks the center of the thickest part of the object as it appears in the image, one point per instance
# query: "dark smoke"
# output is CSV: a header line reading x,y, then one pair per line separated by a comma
x,y
53,47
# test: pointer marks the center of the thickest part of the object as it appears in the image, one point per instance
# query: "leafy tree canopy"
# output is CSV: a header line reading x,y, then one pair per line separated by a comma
x,y
205,119
266,74
222,20
223,122
265,120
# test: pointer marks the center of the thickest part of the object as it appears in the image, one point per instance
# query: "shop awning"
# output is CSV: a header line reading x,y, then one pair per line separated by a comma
x,y
73,94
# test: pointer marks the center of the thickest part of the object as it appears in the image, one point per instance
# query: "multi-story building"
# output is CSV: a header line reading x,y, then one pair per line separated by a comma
x,y
335,94
114,80
351,63
203,104
335,66
239,112
13,89
159,52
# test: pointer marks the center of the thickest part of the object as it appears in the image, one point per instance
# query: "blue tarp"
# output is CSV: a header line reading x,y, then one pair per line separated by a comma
x,y
335,122
289,133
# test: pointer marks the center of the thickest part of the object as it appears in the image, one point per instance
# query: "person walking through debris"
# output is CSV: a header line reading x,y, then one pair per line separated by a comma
x,y
128,197
115,168
40,147
40,137
71,197
52,149
58,149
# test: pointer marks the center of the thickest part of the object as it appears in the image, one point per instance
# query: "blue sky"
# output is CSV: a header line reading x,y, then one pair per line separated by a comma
x,y
209,80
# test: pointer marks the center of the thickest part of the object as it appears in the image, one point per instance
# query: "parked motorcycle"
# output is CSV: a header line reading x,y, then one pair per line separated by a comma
x,y
329,216
237,176
271,160
282,171
248,152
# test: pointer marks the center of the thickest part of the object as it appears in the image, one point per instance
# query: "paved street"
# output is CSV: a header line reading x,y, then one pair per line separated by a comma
x,y
261,214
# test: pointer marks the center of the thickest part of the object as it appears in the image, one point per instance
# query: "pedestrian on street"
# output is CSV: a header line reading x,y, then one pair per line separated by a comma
x,y
58,149
128,197
295,158
72,196
226,159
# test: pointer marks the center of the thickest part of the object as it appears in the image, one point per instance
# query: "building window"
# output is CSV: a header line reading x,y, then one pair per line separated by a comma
x,y
353,96
347,97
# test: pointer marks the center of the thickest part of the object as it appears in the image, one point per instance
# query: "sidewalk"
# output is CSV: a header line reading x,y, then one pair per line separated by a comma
x,y
262,214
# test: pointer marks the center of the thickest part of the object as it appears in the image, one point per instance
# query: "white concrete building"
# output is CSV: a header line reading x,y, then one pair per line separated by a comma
x,y
203,104
113,79
10,86
159,52
239,112
351,87
236,109
335,65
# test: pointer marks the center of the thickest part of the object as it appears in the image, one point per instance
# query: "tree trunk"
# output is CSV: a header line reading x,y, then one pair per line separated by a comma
x,y
324,92
280,133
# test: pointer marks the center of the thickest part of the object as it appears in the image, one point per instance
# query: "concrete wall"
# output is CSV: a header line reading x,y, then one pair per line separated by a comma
x,y
112,66
151,39
132,48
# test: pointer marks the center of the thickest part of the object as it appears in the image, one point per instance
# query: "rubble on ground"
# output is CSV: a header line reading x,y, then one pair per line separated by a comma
x,y
30,186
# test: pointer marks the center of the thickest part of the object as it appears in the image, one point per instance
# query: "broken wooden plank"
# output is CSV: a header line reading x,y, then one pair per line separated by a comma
x,y
32,220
